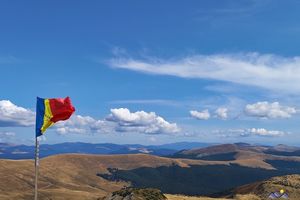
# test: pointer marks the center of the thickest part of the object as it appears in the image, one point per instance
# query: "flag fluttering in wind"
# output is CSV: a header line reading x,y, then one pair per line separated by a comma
x,y
49,111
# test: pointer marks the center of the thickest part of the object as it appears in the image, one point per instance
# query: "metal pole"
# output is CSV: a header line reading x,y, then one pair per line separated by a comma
x,y
36,165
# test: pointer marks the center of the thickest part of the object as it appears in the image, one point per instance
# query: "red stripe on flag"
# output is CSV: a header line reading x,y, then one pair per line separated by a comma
x,y
61,109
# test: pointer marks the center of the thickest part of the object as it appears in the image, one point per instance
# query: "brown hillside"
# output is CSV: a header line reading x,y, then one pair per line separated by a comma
x,y
245,154
74,176
290,184
224,148
238,197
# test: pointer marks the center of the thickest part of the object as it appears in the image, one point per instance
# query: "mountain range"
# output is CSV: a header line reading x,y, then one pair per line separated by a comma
x,y
11,151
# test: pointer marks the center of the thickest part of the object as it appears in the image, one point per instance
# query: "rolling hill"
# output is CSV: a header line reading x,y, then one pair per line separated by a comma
x,y
74,176
241,153
82,176
226,166
290,184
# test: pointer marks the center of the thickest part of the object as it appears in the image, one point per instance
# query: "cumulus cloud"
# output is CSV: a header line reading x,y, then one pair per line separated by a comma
x,y
269,110
119,120
141,121
12,115
69,129
83,125
222,113
202,115
261,70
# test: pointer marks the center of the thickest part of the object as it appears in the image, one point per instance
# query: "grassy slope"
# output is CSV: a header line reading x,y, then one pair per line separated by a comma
x,y
289,183
73,176
238,197
180,197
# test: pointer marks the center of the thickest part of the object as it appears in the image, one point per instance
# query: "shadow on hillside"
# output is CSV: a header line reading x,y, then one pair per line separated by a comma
x,y
209,180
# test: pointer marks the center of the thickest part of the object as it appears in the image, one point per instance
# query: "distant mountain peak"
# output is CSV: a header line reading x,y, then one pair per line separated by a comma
x,y
242,144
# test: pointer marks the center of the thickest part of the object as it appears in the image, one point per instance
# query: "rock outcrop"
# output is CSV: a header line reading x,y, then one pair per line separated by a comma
x,y
136,194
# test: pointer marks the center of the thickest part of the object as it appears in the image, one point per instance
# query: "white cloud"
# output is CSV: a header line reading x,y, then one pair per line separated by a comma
x,y
41,138
6,136
202,115
119,120
83,125
265,132
222,113
269,110
68,129
12,115
260,70
141,121
260,132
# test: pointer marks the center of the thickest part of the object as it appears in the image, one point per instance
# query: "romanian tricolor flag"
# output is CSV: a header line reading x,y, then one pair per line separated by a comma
x,y
49,111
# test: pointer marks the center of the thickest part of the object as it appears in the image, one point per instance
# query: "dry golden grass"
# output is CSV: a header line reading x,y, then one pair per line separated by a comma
x,y
248,156
238,197
180,197
74,176
289,183
247,197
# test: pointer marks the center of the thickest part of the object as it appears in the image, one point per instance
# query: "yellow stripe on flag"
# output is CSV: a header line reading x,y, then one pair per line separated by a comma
x,y
47,117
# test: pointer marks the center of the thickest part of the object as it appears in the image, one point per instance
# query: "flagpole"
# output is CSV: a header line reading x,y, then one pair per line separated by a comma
x,y
36,165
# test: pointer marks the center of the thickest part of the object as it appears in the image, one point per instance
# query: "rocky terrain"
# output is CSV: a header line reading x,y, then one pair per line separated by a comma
x,y
136,194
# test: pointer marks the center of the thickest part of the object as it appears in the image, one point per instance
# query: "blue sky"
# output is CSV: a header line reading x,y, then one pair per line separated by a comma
x,y
207,71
